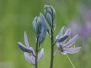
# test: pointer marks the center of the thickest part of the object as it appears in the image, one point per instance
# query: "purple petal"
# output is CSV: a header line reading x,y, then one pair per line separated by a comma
x,y
66,33
26,39
58,44
24,48
32,51
41,54
72,50
62,38
60,33
71,41
31,59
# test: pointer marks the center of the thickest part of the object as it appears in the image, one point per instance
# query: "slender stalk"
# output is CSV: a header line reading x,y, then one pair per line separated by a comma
x,y
36,57
55,52
52,48
52,40
70,61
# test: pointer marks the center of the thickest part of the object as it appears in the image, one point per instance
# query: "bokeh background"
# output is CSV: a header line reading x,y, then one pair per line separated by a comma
x,y
16,16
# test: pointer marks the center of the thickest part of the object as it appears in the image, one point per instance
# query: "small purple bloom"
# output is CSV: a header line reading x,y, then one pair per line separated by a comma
x,y
64,47
31,59
27,49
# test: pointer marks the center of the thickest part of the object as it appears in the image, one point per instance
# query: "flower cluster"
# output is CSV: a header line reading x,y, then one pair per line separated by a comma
x,y
41,28
27,49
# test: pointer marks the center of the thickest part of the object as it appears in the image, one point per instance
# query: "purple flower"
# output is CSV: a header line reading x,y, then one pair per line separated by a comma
x,y
82,26
64,47
84,30
31,59
27,49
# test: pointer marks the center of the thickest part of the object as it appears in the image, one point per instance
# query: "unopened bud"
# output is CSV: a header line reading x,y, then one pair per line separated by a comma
x,y
50,15
37,25
44,22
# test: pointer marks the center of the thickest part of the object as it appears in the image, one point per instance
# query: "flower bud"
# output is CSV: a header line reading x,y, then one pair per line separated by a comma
x,y
40,27
50,15
37,25
44,22
49,19
53,12
47,9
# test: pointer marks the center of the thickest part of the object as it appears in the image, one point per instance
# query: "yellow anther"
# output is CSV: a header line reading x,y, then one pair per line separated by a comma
x,y
74,44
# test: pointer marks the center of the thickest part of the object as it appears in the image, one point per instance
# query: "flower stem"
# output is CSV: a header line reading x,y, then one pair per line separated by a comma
x,y
36,57
52,48
70,61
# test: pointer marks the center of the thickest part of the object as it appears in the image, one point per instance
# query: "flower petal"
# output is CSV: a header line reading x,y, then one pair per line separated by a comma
x,y
24,48
33,52
31,59
58,44
71,41
41,54
62,38
66,33
34,23
44,22
57,37
49,19
72,50
26,39
60,33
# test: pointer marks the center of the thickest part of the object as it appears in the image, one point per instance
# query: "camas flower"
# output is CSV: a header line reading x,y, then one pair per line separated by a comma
x,y
82,26
31,59
64,47
27,49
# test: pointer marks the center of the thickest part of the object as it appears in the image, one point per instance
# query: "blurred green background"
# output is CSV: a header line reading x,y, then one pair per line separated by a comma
x,y
16,16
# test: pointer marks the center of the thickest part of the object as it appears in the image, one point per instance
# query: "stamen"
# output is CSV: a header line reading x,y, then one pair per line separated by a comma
x,y
74,45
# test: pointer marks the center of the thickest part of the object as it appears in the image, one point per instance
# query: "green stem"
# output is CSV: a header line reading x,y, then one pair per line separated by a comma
x,y
52,41
52,48
36,57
